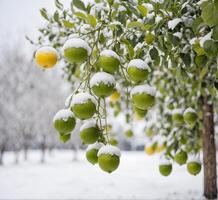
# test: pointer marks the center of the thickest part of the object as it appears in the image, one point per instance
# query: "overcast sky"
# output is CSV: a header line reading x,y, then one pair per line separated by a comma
x,y
22,17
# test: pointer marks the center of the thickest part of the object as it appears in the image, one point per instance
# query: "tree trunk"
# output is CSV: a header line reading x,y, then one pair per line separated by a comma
x,y
2,151
50,150
209,151
75,152
25,153
16,156
43,152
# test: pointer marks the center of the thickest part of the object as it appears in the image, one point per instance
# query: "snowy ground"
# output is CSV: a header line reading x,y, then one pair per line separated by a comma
x,y
60,178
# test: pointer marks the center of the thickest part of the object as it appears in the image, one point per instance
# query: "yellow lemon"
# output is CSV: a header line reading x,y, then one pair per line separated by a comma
x,y
115,96
150,150
46,57
160,148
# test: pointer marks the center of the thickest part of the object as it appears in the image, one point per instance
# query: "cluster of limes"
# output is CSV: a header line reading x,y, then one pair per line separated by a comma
x,y
193,164
189,116
181,157
102,84
84,106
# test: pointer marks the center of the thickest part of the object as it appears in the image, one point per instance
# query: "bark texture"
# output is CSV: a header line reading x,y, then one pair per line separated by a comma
x,y
209,151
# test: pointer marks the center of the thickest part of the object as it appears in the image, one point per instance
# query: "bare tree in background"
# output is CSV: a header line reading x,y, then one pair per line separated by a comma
x,y
29,100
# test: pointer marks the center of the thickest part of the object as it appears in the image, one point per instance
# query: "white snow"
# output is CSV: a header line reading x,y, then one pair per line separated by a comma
x,y
81,98
158,19
201,1
63,114
109,149
193,41
102,77
173,23
121,8
96,145
194,158
203,39
158,1
110,53
138,63
189,110
178,111
148,6
68,101
77,43
46,49
139,89
96,8
164,161
60,178
178,34
88,124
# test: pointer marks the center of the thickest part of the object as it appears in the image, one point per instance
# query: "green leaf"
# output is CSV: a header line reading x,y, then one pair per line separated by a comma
x,y
135,24
196,24
102,38
44,13
186,58
110,2
216,4
58,4
129,47
131,10
198,49
79,4
68,24
211,48
203,72
143,10
80,15
209,14
216,84
215,33
212,90
149,38
201,61
153,53
91,20
56,16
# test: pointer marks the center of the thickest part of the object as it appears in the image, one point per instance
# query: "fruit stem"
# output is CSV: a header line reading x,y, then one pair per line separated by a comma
x,y
105,115
99,120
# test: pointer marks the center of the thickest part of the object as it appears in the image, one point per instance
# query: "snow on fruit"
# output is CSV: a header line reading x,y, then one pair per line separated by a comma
x,y
138,70
177,116
102,84
76,50
92,152
109,61
83,105
165,167
109,158
64,121
190,116
181,157
89,132
194,165
143,96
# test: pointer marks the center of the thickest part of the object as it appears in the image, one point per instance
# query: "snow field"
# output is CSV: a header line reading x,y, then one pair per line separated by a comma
x,y
61,178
